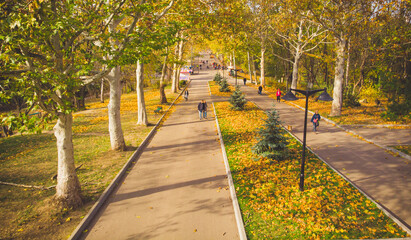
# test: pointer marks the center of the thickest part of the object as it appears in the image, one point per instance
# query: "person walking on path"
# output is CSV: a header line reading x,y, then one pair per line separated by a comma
x,y
316,121
186,95
260,90
278,94
205,109
200,109
245,81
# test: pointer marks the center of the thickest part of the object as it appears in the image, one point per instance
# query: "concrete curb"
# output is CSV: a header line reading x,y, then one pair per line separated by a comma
x,y
237,211
387,212
406,156
76,234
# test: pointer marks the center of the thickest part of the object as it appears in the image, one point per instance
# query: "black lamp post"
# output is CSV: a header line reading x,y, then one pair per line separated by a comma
x,y
291,97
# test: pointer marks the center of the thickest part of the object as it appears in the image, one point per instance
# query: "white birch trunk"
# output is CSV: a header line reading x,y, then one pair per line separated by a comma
x,y
68,190
102,90
163,98
180,58
174,74
114,118
262,78
114,79
338,78
141,104
347,69
254,70
173,79
249,67
294,81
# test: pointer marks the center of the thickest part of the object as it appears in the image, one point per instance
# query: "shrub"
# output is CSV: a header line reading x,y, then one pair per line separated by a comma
x,y
217,78
237,99
224,87
272,143
351,100
182,83
370,93
395,111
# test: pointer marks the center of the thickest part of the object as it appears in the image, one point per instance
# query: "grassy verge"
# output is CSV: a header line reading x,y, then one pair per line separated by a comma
x,y
32,160
271,203
403,148
214,88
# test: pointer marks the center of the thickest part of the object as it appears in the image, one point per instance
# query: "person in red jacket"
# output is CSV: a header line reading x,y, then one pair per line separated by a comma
x,y
278,94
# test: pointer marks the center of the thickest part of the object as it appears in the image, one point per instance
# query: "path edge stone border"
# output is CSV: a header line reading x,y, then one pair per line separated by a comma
x,y
387,212
406,156
236,206
82,226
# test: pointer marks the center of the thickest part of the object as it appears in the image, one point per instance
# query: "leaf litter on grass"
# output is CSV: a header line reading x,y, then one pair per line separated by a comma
x,y
271,203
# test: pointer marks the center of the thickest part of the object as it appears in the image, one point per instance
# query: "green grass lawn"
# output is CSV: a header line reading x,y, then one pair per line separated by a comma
x,y
403,148
31,159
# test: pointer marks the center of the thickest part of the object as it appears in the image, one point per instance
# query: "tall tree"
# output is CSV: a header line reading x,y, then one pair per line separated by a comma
x,y
298,34
43,50
340,18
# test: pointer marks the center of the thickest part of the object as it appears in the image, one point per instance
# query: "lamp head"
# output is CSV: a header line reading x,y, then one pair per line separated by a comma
x,y
324,96
289,96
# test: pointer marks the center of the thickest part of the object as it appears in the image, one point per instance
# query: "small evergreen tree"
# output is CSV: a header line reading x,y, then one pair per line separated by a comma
x,y
237,99
217,78
224,87
272,142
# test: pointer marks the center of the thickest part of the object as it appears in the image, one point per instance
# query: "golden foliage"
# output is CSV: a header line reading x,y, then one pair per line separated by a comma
x,y
214,88
367,113
269,196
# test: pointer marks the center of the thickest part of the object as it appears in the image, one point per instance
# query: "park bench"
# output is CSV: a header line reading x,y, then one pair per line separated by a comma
x,y
158,110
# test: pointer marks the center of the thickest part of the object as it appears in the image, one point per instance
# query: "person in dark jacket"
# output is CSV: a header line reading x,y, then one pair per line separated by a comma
x,y
205,109
186,94
260,90
316,120
245,81
200,109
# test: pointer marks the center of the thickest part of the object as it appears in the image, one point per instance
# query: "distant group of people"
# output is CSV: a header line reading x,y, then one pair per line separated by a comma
x,y
216,66
202,105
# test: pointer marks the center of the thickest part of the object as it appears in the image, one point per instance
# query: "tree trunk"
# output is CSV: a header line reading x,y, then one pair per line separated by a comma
x,y
295,69
102,90
163,98
262,80
338,78
68,190
173,79
249,67
141,105
347,69
180,58
254,70
114,119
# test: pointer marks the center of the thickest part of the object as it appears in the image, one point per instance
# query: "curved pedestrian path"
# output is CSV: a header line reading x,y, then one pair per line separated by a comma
x,y
178,189
383,177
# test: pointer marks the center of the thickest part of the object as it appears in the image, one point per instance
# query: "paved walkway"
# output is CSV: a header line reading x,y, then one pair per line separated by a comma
x,y
178,189
387,179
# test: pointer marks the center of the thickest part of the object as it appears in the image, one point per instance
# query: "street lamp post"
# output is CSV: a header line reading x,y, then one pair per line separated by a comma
x,y
291,97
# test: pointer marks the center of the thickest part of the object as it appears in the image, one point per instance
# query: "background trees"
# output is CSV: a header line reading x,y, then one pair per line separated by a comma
x,y
52,51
